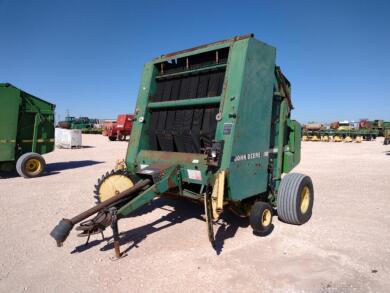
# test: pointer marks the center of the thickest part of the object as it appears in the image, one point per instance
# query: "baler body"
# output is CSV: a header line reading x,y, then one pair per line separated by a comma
x,y
224,97
26,125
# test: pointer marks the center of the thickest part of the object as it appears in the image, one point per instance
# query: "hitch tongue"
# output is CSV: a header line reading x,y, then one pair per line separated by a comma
x,y
61,231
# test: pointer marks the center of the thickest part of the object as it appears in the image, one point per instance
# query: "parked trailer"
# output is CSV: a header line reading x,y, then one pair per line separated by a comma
x,y
26,131
212,125
119,129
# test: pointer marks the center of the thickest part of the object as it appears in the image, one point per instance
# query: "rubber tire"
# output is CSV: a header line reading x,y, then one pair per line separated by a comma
x,y
21,164
288,199
112,138
385,142
255,218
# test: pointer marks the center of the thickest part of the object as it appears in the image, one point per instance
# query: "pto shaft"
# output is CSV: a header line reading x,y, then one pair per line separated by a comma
x,y
62,230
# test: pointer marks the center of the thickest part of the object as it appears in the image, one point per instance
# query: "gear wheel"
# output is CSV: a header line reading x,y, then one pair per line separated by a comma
x,y
113,183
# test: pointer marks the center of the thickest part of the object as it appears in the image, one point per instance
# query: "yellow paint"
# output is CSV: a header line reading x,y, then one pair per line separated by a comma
x,y
305,199
218,194
337,138
33,167
348,139
266,218
41,140
114,185
325,138
7,141
315,138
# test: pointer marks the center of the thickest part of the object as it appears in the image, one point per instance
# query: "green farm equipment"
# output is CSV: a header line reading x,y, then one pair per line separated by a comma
x,y
26,131
85,124
212,124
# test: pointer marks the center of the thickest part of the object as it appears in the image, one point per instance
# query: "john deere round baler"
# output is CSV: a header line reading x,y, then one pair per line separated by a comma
x,y
212,124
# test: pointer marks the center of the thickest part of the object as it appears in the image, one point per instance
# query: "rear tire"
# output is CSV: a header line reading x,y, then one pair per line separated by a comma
x,y
261,218
112,138
295,199
30,165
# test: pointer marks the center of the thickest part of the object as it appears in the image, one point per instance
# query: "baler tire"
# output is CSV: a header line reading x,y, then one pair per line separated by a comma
x,y
112,138
30,165
260,218
295,199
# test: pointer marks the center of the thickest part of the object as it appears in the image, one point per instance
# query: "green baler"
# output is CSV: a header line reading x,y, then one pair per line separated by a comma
x,y
26,131
212,125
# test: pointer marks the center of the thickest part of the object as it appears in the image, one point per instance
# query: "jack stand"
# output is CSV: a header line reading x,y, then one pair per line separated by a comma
x,y
115,233
209,217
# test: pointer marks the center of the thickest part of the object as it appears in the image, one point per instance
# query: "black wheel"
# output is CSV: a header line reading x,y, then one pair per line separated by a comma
x,y
295,199
112,138
30,165
261,218
385,142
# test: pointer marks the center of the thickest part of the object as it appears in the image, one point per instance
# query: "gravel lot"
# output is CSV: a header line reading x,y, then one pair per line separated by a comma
x,y
344,248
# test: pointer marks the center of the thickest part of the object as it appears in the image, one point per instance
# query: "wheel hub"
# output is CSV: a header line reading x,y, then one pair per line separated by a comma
x,y
266,218
305,199
33,166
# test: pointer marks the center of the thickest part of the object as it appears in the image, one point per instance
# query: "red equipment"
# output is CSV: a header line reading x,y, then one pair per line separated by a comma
x,y
120,128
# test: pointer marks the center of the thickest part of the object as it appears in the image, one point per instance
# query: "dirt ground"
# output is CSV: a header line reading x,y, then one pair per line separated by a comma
x,y
344,248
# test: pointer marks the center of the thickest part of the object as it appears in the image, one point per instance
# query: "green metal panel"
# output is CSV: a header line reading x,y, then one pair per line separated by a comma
x,y
292,155
248,97
185,103
255,117
27,120
9,113
138,138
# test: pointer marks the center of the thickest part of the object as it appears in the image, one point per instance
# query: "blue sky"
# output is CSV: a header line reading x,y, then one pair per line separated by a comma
x,y
87,56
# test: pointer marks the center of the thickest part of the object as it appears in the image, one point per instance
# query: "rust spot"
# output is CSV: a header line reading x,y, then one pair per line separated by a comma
x,y
234,39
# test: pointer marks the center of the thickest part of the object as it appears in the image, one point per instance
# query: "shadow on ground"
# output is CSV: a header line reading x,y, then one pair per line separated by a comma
x,y
178,212
76,148
60,166
54,168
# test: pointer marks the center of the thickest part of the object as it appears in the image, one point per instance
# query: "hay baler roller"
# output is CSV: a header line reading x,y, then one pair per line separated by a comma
x,y
212,124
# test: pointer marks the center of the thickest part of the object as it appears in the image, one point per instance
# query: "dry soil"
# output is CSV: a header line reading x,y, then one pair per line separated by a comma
x,y
344,248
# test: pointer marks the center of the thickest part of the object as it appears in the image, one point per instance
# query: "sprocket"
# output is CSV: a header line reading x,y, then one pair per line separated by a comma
x,y
113,183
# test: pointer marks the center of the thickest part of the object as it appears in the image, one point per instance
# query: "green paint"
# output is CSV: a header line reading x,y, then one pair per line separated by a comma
x,y
155,190
252,102
26,125
185,103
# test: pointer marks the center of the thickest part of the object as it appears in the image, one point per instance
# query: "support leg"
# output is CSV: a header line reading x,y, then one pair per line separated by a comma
x,y
114,226
209,217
